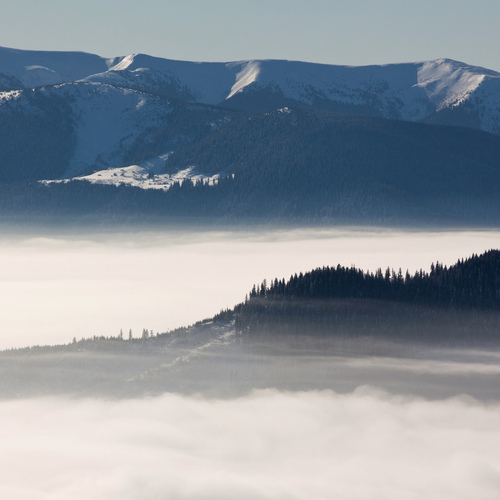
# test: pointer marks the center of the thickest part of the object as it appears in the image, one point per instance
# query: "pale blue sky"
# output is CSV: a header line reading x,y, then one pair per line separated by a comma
x,y
328,31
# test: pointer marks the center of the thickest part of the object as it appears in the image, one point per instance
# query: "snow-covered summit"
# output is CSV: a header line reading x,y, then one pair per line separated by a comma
x,y
409,91
36,68
449,83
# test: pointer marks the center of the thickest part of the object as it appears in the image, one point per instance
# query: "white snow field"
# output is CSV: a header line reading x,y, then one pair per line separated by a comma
x,y
147,175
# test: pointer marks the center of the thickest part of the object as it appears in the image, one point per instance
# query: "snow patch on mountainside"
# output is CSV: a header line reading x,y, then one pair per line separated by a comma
x,y
148,175
35,74
11,95
124,63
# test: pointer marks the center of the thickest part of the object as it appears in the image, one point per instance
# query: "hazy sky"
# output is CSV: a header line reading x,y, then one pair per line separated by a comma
x,y
327,31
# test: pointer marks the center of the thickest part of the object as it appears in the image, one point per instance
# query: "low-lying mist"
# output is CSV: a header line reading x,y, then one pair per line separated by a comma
x,y
220,417
267,445
214,361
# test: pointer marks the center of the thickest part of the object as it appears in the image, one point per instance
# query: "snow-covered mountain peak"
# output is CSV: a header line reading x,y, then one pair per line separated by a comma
x,y
33,68
448,83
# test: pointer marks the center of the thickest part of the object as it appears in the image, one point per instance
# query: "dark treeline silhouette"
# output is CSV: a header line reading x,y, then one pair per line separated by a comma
x,y
461,300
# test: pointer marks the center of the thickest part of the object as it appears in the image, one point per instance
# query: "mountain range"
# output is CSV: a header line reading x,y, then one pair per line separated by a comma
x,y
428,91
149,122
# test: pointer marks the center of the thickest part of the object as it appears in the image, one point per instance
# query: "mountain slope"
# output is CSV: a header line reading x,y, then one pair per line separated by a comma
x,y
296,162
443,91
345,147
20,69
295,165
88,127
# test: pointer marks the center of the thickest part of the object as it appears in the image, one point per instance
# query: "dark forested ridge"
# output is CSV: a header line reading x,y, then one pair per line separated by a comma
x,y
470,283
461,301
449,305
288,165
38,144
324,165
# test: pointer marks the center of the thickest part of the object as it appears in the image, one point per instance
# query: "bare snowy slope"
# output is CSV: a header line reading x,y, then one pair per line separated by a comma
x,y
108,120
70,129
443,91
29,68
413,91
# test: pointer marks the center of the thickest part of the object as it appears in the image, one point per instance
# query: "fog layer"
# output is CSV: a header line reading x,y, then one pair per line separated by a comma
x,y
268,445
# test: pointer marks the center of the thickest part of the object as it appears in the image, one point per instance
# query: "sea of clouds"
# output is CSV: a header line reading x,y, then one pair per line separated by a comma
x,y
267,445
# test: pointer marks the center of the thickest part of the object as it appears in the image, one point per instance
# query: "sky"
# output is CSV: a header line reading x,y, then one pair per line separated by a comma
x,y
326,31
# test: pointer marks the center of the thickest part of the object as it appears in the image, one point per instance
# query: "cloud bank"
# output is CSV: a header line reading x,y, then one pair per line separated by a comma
x,y
268,445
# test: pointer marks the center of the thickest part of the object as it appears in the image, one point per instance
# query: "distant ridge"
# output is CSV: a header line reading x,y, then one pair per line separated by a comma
x,y
440,91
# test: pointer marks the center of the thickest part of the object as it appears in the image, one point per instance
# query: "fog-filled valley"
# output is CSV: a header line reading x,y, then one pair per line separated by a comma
x,y
205,411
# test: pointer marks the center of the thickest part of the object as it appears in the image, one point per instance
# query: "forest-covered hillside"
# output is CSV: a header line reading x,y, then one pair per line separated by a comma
x,y
298,165
313,328
457,302
297,162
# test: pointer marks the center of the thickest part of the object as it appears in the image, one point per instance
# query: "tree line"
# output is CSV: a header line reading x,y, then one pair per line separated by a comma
x,y
332,298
